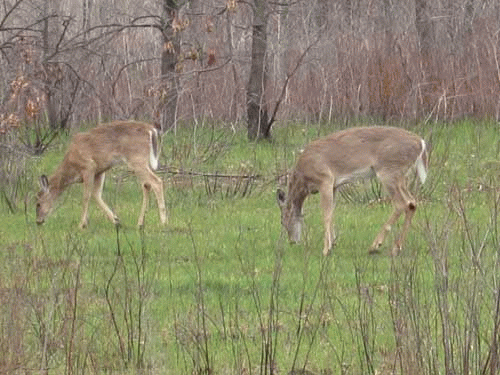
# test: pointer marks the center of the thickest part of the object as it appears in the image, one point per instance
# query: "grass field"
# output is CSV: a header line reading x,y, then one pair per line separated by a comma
x,y
219,290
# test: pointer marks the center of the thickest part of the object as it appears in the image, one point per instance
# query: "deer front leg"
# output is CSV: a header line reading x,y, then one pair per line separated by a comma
x,y
88,181
97,193
327,197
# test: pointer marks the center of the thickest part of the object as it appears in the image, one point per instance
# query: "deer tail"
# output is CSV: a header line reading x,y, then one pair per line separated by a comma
x,y
421,163
154,149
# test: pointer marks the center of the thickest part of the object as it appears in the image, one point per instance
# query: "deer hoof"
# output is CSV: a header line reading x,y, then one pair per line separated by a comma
x,y
375,248
327,249
374,251
396,250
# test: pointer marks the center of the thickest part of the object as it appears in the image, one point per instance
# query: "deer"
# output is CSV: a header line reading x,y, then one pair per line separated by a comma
x,y
383,152
88,157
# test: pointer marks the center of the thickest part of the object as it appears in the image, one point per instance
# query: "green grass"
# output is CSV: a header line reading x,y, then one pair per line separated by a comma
x,y
219,283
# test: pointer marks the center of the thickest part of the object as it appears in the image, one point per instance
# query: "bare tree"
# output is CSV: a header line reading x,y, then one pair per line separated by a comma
x,y
258,121
169,59
50,31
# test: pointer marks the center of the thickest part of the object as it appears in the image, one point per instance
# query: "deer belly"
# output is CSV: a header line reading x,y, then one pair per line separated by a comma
x,y
355,175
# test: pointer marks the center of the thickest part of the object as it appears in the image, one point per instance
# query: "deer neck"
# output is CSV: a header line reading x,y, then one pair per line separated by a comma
x,y
297,192
62,178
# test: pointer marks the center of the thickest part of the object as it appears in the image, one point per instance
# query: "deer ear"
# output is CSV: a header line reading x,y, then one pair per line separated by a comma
x,y
280,197
44,183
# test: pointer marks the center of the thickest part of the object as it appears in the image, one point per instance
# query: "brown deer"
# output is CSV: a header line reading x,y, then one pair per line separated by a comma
x,y
92,153
387,153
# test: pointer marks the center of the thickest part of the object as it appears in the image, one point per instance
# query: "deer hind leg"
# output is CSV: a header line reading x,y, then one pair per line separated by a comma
x,y
391,185
410,208
150,181
403,202
97,194
327,197
145,192
160,199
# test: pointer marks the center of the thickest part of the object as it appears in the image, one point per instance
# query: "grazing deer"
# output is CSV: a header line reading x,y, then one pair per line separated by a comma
x,y
387,153
92,153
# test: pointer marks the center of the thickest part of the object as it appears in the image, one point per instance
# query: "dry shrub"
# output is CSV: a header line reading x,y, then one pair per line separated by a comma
x,y
387,77
13,314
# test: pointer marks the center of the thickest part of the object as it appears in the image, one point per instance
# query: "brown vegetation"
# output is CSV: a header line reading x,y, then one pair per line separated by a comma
x,y
359,63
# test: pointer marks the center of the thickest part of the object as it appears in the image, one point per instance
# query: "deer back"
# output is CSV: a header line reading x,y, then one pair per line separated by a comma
x,y
110,144
358,153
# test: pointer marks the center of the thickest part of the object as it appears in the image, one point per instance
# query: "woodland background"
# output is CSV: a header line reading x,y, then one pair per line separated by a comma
x,y
233,296
64,62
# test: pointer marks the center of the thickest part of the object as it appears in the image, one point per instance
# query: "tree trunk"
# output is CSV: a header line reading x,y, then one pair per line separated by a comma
x,y
169,60
50,30
424,27
233,109
258,118
86,14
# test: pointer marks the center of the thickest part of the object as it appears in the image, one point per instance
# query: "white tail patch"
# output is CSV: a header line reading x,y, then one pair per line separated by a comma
x,y
153,149
421,170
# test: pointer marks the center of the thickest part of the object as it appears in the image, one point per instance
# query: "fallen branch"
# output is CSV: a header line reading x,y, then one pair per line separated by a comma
x,y
177,171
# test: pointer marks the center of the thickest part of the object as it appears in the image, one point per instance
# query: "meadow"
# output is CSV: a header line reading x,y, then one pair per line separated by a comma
x,y
219,290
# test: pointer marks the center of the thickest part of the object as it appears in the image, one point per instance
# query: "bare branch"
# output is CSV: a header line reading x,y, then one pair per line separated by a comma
x,y
289,76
